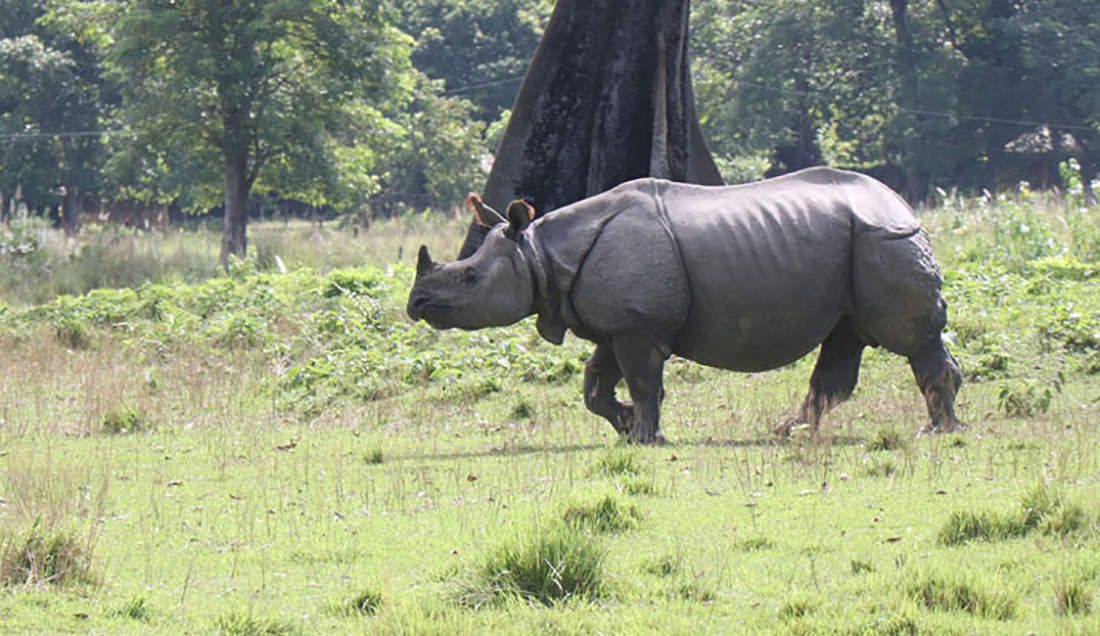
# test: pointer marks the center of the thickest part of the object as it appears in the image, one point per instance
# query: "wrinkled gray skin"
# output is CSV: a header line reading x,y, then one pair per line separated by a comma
x,y
746,278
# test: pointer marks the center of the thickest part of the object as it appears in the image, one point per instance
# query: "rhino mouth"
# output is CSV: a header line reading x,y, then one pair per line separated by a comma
x,y
431,311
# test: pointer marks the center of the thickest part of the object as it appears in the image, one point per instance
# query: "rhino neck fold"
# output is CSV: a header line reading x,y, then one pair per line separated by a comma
x,y
547,299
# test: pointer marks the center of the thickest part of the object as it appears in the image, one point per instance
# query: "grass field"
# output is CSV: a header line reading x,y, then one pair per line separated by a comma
x,y
272,453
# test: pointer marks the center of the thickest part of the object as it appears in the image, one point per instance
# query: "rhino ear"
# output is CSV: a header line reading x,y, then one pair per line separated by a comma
x,y
484,215
520,215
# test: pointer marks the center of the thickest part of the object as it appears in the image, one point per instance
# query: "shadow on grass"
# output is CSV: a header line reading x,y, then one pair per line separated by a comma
x,y
520,450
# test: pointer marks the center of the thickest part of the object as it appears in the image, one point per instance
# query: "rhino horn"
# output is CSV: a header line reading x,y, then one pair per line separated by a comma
x,y
424,263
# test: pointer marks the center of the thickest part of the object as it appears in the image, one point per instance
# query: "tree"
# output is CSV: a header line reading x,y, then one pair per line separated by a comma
x,y
478,47
49,84
797,82
250,81
607,98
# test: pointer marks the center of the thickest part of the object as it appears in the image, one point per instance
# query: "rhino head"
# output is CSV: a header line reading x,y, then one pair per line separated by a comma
x,y
491,288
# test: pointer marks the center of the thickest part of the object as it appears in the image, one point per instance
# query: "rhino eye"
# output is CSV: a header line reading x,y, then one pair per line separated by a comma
x,y
469,276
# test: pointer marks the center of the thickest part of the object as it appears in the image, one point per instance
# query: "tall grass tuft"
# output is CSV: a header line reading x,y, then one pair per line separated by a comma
x,y
365,603
40,557
136,609
547,566
955,595
1071,596
1041,510
619,461
888,439
609,514
234,624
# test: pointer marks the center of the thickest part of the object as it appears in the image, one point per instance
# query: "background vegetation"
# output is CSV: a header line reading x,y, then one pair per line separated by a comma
x,y
127,100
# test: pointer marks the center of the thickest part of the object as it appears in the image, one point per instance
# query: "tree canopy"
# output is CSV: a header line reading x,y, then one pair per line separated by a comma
x,y
381,104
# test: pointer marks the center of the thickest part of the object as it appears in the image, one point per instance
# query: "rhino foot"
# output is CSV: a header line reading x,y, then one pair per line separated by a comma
x,y
657,439
931,428
788,426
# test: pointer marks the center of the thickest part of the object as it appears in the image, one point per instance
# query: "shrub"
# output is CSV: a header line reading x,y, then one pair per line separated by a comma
x,y
123,419
1026,398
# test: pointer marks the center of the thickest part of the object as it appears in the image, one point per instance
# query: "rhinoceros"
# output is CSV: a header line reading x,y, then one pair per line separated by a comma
x,y
747,278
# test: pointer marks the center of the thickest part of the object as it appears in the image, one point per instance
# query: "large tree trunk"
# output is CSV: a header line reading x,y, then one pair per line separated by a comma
x,y
237,187
915,181
71,208
606,99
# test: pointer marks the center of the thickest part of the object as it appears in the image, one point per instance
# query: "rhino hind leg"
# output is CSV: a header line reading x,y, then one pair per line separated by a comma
x,y
939,378
601,374
642,366
834,377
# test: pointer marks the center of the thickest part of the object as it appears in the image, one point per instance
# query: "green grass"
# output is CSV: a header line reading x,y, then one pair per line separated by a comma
x,y
607,514
955,594
283,453
543,565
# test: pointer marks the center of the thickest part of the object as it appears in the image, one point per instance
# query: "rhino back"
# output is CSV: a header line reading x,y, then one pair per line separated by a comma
x,y
769,269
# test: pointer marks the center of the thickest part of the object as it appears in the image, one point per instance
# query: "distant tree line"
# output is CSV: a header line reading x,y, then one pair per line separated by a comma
x,y
922,93
210,103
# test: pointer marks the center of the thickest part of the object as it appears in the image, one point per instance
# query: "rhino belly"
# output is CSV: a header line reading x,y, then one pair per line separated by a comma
x,y
728,334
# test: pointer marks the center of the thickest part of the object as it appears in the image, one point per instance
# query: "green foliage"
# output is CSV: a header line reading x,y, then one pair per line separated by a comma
x,y
478,47
920,93
48,84
124,419
1027,398
339,335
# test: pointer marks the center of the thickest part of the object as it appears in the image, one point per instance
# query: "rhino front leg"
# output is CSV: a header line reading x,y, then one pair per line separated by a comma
x,y
939,378
834,378
643,368
601,375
